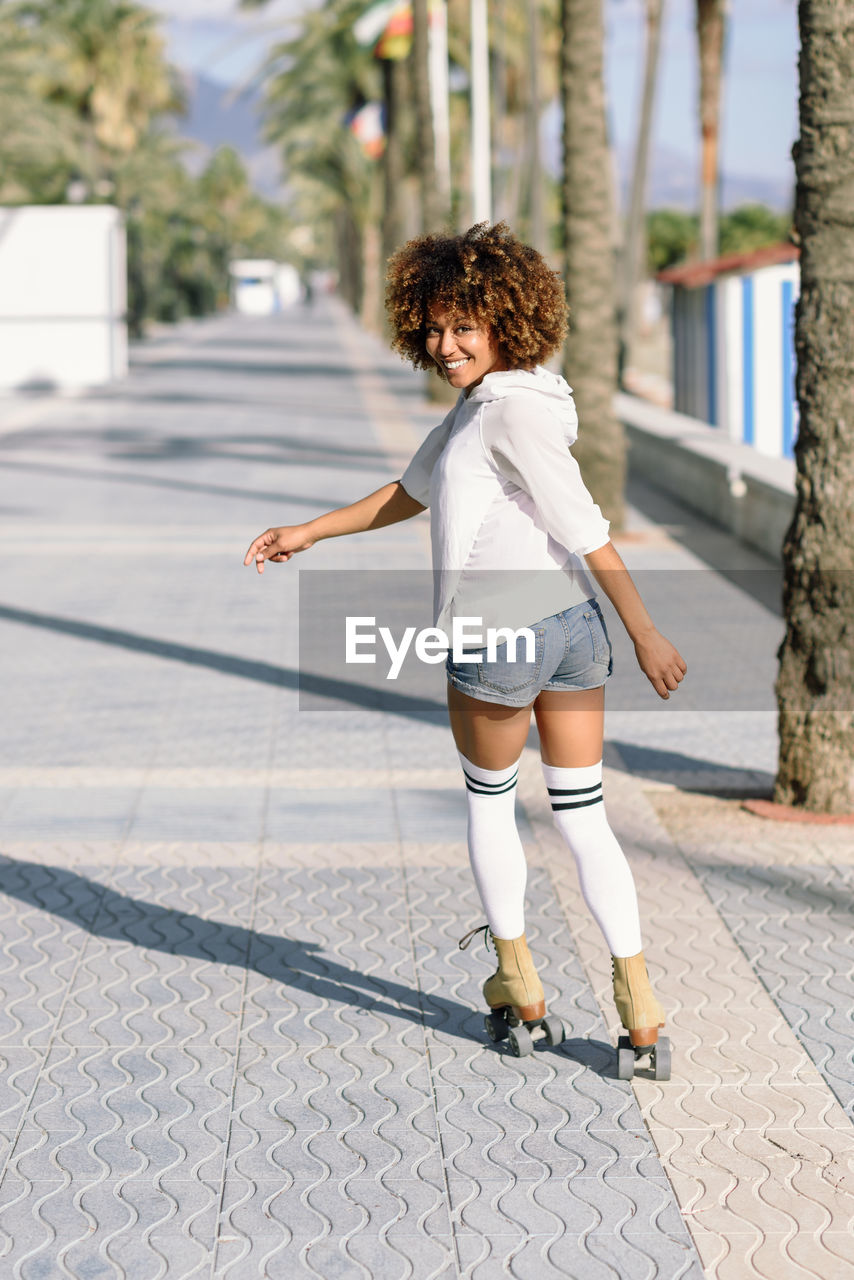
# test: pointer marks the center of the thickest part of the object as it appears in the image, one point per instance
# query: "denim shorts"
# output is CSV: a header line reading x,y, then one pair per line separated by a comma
x,y
571,652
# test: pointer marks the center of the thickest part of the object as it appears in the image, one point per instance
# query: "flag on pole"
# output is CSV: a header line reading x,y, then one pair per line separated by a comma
x,y
396,41
372,23
387,26
366,126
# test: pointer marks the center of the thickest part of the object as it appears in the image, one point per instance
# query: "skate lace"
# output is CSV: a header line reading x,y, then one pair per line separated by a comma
x,y
481,928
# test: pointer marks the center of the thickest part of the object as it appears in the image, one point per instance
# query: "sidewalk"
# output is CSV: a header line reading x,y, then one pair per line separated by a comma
x,y
237,1036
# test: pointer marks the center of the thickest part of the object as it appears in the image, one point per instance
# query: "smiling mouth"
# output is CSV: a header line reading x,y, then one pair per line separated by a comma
x,y
451,365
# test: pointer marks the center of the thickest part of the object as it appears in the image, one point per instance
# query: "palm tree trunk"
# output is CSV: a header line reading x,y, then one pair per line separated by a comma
x,y
590,358
634,247
349,257
481,139
431,213
710,36
536,231
393,165
815,684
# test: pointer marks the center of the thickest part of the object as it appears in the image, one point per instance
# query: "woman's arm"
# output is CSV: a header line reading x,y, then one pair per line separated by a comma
x,y
387,505
660,662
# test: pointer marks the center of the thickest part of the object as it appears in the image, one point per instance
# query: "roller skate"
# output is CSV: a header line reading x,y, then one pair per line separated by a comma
x,y
515,997
642,1016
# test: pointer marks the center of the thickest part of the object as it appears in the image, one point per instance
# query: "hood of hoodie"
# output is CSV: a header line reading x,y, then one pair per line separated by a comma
x,y
539,382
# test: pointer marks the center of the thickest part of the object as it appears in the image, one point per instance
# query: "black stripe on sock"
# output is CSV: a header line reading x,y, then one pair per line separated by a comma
x,y
497,789
573,791
491,786
578,804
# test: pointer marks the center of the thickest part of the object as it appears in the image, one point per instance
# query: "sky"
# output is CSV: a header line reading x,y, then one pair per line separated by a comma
x,y
759,115
759,119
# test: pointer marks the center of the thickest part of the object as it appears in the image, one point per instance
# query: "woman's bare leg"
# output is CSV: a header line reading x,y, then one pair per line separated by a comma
x,y
571,727
489,735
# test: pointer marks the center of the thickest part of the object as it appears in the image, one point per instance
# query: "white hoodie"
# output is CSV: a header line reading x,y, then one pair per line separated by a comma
x,y
510,516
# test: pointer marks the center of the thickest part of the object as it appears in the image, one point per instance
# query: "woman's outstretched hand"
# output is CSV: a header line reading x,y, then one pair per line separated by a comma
x,y
661,663
278,545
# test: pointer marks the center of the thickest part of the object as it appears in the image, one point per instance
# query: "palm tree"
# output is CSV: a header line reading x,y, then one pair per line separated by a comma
x,y
432,215
314,81
590,360
104,65
634,244
711,19
536,203
37,142
394,164
815,684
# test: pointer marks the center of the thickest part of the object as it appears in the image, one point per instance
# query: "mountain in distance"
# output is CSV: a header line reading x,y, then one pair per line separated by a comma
x,y
673,180
218,116
674,184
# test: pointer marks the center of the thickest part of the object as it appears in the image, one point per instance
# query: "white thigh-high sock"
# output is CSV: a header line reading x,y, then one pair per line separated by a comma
x,y
495,850
606,879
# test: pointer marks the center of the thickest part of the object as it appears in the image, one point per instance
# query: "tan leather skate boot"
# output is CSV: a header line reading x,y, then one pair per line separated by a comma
x,y
515,997
640,1012
515,982
515,985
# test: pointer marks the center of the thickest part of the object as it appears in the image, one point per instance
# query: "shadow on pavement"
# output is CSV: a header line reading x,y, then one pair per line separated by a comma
x,y
255,369
293,962
136,444
162,482
264,672
756,575
727,779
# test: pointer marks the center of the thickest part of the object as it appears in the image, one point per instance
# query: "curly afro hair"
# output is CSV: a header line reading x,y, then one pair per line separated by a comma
x,y
484,274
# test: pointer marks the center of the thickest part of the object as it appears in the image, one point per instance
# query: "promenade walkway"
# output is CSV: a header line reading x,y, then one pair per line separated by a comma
x,y
237,1037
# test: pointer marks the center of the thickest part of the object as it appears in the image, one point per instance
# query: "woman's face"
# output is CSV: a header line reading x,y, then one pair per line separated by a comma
x,y
463,348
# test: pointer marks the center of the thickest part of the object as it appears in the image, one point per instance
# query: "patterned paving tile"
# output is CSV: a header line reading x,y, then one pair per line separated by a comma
x,y
237,1037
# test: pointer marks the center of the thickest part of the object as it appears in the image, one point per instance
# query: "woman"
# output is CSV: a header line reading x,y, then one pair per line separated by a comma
x,y
512,525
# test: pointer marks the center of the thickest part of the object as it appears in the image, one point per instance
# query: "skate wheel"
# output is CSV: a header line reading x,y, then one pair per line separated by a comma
x,y
625,1059
520,1041
661,1059
553,1030
495,1025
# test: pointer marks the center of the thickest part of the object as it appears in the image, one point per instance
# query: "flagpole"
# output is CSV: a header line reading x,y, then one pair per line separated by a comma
x,y
481,157
439,92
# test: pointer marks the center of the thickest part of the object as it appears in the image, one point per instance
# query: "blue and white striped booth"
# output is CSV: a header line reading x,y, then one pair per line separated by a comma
x,y
733,345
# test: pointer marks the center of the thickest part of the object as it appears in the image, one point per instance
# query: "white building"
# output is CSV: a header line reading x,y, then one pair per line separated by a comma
x,y
733,345
261,286
63,296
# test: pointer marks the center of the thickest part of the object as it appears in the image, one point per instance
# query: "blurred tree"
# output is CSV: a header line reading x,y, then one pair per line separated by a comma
x,y
183,234
815,683
432,215
536,196
753,226
671,237
104,66
393,160
36,142
316,83
525,45
634,249
711,18
590,359
84,89
151,186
